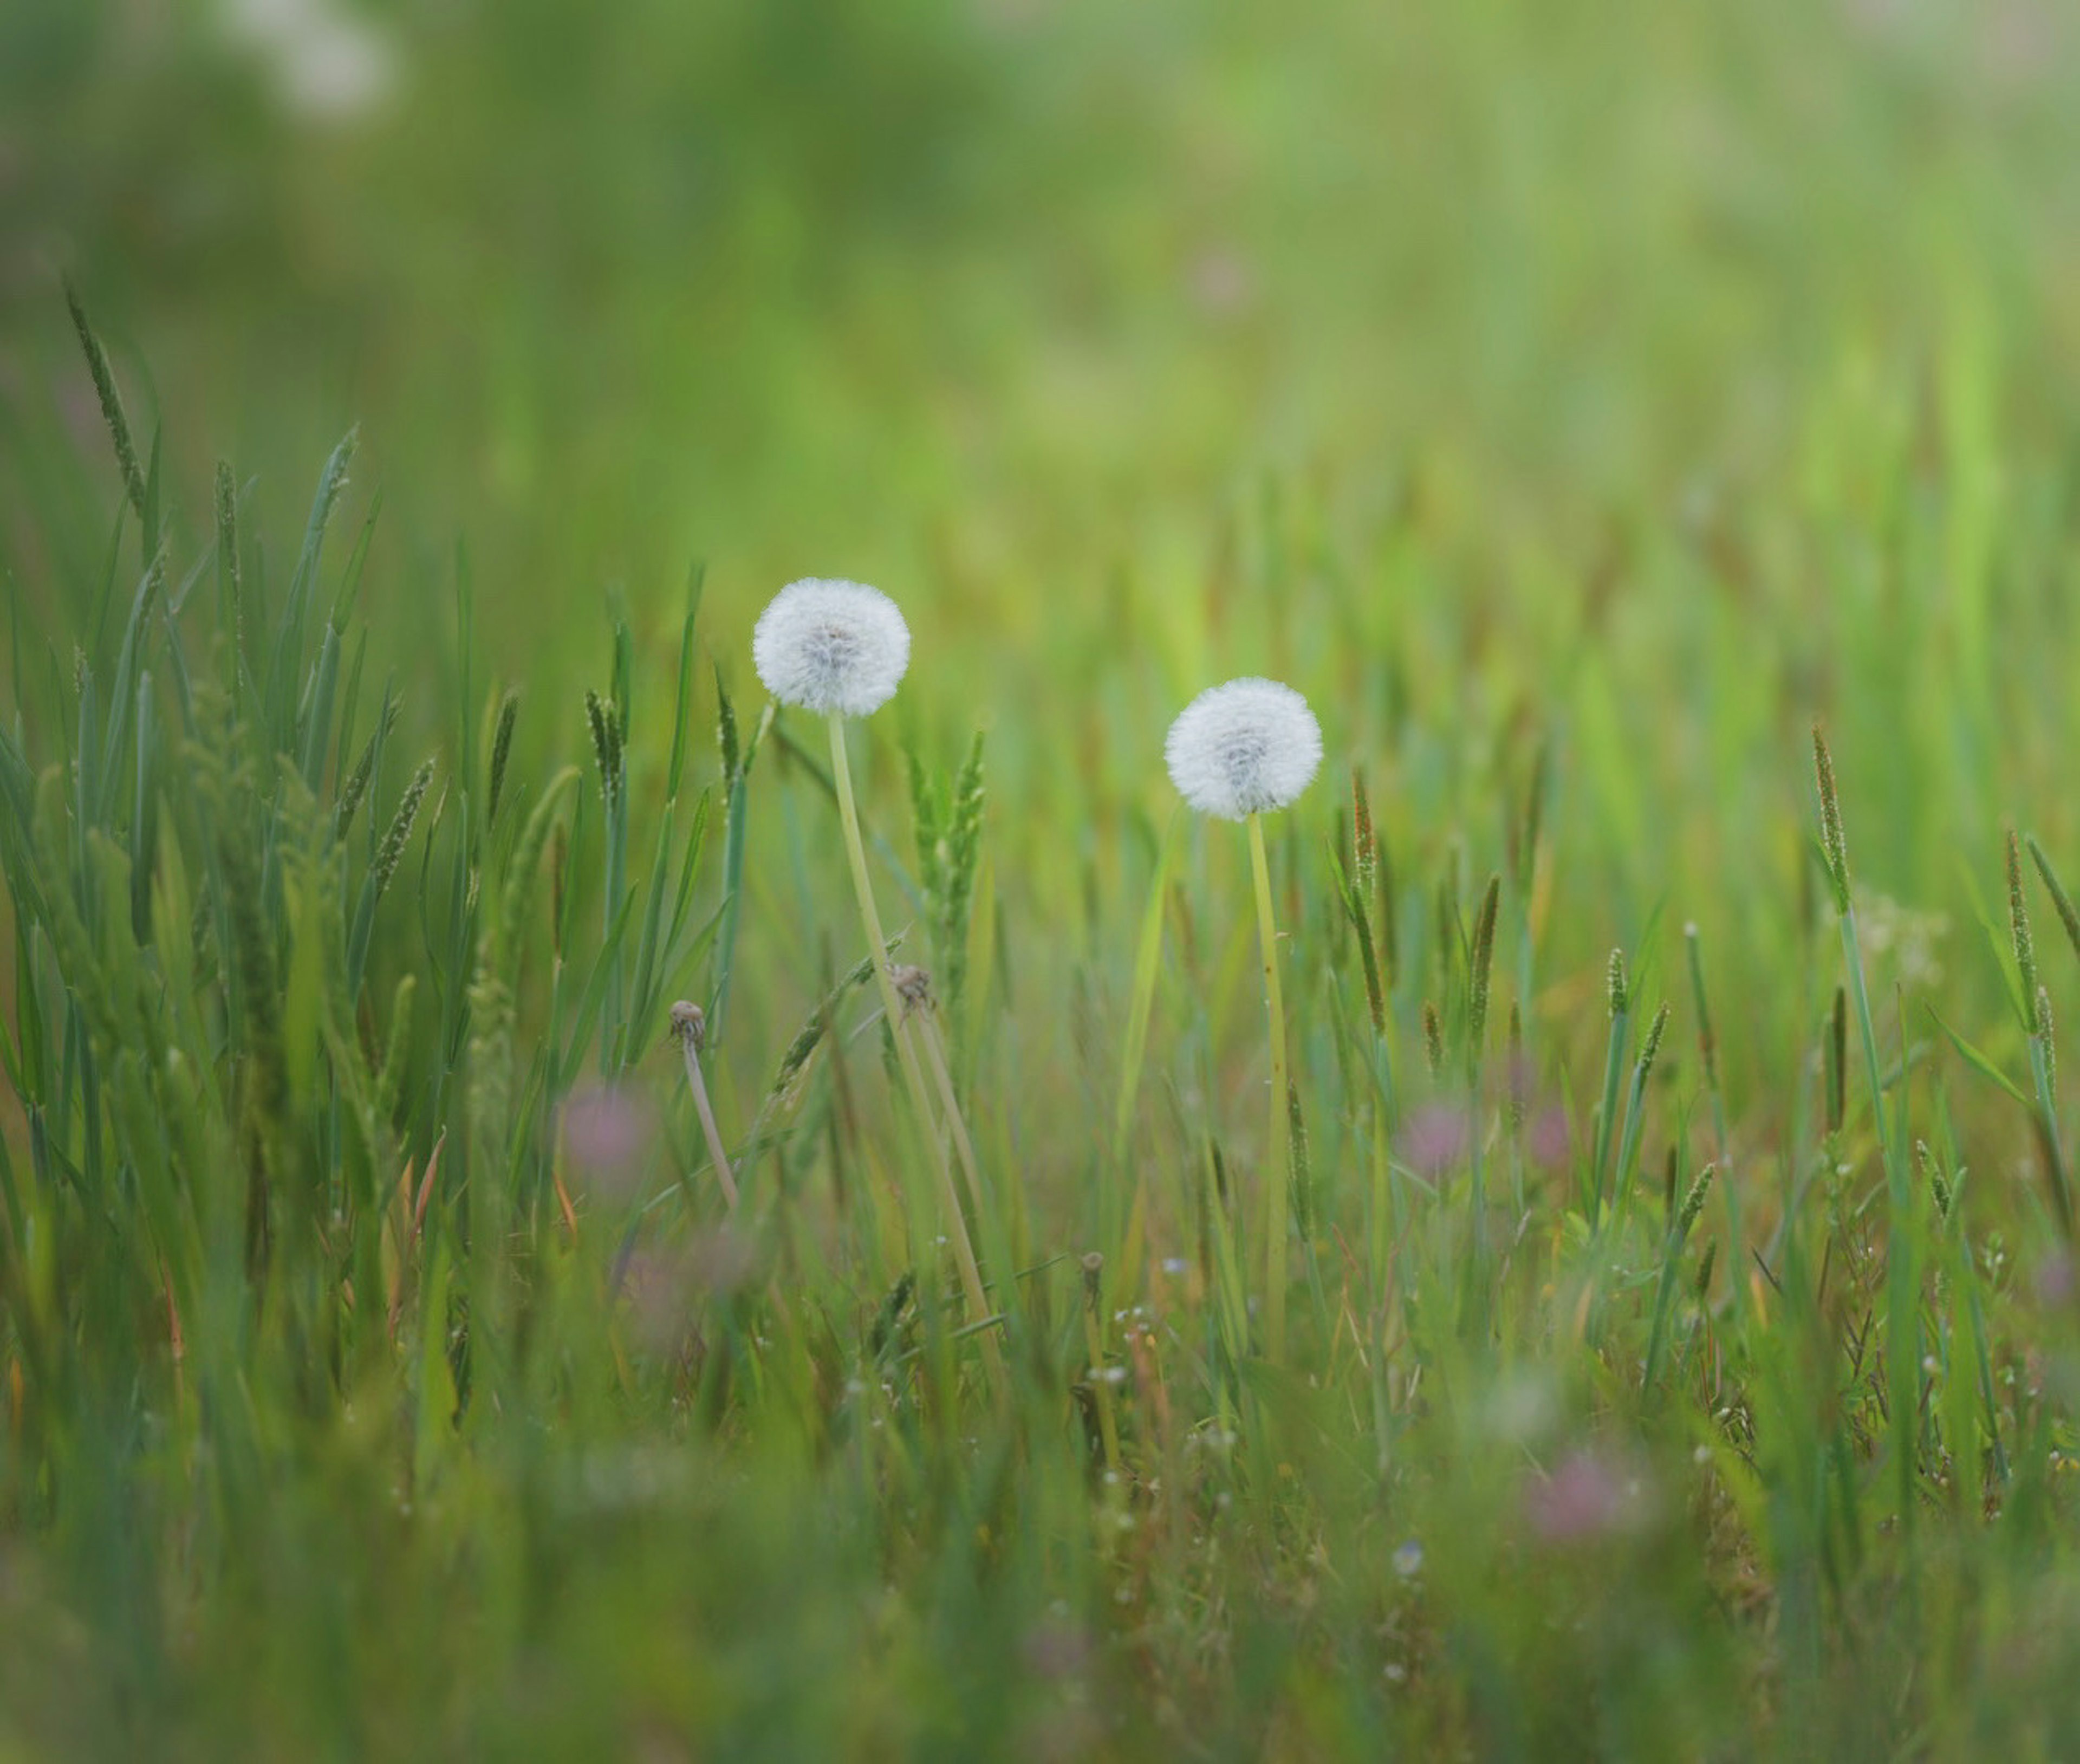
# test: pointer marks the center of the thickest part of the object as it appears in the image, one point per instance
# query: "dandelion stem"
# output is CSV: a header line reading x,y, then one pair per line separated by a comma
x,y
716,1155
1280,1148
935,1053
906,1052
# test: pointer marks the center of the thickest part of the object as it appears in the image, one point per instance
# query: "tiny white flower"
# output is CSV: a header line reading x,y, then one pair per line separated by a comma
x,y
1240,749
829,645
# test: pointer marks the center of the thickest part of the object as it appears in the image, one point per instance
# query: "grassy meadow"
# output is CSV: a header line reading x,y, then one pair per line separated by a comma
x,y
1649,1325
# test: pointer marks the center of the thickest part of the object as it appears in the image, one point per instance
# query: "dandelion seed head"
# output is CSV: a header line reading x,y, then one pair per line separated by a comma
x,y
1244,748
829,645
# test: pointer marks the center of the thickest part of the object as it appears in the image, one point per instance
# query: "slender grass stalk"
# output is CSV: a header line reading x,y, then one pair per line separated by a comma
x,y
1382,1191
926,1029
1148,963
1516,1100
1621,1009
1635,1115
1101,1388
906,1052
1902,1321
1528,835
1678,1232
1480,978
1277,1198
2036,1023
689,1025
1230,1325
2061,901
1708,1040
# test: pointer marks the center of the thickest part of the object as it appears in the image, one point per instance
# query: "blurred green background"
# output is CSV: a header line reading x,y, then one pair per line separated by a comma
x,y
1656,374
1643,378
1004,293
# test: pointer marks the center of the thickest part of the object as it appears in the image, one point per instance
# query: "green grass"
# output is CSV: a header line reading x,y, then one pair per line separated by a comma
x,y
1682,1346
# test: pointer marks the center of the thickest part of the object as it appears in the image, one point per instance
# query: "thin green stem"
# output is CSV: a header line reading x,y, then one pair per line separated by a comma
x,y
1903,1323
906,1052
1381,1241
717,1156
1100,1389
2046,1104
989,1222
1280,1150
1708,1046
935,1054
1606,1114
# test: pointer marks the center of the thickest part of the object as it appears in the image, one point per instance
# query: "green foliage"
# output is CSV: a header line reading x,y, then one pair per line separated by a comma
x,y
1573,404
946,815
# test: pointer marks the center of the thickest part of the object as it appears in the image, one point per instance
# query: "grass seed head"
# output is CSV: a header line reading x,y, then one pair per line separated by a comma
x,y
1483,961
1832,844
1693,1203
1364,847
501,751
1620,996
391,851
1705,1266
227,552
2025,945
1937,1186
2060,899
1655,1031
605,745
1243,749
2043,1031
831,647
112,400
351,791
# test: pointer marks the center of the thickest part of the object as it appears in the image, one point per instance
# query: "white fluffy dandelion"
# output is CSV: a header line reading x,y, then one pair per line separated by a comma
x,y
832,647
840,648
1243,749
1238,751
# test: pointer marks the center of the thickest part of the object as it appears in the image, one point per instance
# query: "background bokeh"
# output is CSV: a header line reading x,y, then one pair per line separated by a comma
x,y
1010,290
1650,376
1592,394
